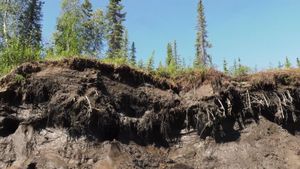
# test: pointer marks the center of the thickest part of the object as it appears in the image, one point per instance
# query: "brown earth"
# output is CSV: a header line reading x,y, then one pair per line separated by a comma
x,y
81,113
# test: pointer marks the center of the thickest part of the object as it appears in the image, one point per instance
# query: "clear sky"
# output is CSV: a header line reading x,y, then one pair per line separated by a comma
x,y
260,32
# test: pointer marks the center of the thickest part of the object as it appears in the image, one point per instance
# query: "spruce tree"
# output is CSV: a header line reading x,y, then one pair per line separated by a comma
x,y
132,55
92,31
140,64
87,32
298,63
202,58
150,63
170,57
280,65
125,44
235,67
30,28
115,28
287,63
225,67
239,64
176,55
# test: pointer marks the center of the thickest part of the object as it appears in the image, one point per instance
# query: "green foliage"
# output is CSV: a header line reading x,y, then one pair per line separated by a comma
x,y
115,29
170,57
5,69
125,44
202,58
150,63
19,78
132,54
92,30
239,70
287,63
20,33
280,65
67,36
225,67
298,63
15,53
140,64
176,56
116,60
242,70
79,30
29,25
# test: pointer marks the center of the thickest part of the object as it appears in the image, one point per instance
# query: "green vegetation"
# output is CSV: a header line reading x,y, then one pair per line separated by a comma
x,y
287,63
19,78
115,29
132,55
20,33
225,67
82,31
202,58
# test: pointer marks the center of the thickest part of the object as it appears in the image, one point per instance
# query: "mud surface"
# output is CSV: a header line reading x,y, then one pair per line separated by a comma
x,y
84,114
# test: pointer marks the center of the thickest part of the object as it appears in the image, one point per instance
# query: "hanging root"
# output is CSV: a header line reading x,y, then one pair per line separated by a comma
x,y
222,109
266,100
279,107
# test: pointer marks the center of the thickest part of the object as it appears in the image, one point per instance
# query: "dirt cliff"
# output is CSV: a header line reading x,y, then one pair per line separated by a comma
x,y
81,113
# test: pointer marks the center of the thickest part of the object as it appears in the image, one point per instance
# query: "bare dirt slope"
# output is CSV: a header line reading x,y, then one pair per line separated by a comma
x,y
81,113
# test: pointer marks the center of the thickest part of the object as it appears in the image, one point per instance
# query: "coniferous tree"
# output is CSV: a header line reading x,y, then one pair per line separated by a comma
x,y
176,55
98,32
30,28
239,64
202,58
235,67
125,44
93,28
150,63
140,64
115,28
87,27
183,64
298,63
280,65
287,63
170,57
225,67
133,54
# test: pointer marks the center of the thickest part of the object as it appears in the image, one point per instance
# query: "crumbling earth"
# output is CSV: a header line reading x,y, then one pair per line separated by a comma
x,y
81,113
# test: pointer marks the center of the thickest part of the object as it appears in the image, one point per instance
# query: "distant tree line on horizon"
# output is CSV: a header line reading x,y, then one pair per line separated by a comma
x,y
82,31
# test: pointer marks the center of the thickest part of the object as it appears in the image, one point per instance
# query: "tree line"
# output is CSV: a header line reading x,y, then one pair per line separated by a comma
x,y
83,31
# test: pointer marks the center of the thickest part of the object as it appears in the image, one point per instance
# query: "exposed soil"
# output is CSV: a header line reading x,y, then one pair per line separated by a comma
x,y
81,113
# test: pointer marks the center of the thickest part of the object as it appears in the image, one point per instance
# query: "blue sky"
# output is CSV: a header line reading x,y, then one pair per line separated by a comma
x,y
260,32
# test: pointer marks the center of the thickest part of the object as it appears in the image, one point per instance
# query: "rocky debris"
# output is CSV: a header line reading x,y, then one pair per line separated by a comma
x,y
81,113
